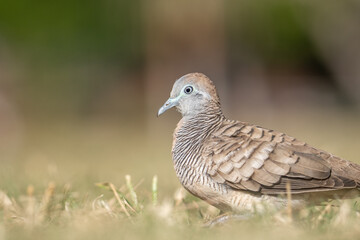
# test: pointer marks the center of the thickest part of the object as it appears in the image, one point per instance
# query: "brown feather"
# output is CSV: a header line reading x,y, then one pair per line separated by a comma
x,y
266,166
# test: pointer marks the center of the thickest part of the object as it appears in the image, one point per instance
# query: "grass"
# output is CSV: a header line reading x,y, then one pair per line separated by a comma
x,y
77,180
61,212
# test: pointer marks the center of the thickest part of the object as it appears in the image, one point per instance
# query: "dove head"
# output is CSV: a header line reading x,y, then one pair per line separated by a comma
x,y
192,94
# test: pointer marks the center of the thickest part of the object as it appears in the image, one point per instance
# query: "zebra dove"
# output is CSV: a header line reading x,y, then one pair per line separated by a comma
x,y
238,166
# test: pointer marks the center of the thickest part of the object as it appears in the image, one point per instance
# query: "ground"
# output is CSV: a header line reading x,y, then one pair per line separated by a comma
x,y
104,179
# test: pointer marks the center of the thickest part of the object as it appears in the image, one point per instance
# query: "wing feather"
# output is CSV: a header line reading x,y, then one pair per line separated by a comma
x,y
247,157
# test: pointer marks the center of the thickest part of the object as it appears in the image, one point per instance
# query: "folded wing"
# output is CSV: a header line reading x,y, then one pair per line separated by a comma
x,y
247,157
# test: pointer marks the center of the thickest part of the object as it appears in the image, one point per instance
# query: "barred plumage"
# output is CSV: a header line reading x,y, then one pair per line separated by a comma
x,y
235,165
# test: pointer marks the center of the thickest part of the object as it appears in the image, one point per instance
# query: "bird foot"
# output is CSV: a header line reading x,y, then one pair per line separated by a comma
x,y
224,218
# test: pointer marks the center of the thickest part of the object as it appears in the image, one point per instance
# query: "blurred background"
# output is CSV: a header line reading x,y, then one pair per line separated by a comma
x,y
81,81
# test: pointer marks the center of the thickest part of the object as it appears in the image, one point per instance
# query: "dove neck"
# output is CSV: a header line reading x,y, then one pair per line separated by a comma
x,y
190,135
202,112
200,123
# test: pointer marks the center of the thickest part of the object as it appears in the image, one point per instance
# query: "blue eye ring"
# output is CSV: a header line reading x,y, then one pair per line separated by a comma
x,y
188,89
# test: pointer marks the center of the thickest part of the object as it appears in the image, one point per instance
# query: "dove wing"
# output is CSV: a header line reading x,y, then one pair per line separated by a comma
x,y
248,157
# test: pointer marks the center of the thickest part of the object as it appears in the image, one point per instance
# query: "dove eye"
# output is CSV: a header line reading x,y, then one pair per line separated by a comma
x,y
188,89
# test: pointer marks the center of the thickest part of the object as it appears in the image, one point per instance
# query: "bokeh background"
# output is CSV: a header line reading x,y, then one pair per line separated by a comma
x,y
81,81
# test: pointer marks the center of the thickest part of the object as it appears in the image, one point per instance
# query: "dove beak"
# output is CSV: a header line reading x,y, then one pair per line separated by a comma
x,y
171,102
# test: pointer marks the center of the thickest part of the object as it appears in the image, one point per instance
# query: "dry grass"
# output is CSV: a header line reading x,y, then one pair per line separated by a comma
x,y
61,212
